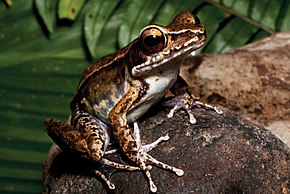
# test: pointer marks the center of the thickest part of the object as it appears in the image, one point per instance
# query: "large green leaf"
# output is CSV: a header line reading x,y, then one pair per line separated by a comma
x,y
38,78
47,11
39,72
69,9
97,14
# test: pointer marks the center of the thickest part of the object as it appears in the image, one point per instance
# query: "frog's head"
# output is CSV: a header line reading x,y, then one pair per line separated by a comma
x,y
158,45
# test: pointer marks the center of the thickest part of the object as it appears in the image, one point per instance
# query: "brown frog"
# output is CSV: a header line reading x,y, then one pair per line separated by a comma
x,y
121,87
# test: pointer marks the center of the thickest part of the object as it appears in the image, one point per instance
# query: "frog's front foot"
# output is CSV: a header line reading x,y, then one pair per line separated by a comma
x,y
151,146
187,102
177,171
144,149
147,147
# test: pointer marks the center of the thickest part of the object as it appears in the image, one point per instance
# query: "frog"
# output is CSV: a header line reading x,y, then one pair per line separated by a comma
x,y
114,92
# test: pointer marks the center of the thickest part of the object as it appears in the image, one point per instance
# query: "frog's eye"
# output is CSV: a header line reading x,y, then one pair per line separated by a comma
x,y
152,40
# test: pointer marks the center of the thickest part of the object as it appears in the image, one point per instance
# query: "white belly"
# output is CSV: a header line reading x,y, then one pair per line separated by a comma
x,y
159,82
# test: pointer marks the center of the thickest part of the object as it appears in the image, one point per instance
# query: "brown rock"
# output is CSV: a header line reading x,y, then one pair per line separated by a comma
x,y
219,154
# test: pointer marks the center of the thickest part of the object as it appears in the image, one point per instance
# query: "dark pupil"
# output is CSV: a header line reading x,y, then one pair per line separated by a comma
x,y
152,40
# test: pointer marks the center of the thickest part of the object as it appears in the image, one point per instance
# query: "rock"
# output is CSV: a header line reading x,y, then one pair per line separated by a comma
x,y
253,80
219,154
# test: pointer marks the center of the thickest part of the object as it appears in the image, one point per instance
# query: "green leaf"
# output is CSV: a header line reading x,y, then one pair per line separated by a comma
x,y
265,12
19,186
69,9
141,13
38,80
47,11
170,8
269,15
226,38
96,17
284,17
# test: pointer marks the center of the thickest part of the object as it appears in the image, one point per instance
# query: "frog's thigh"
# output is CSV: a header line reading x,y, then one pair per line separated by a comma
x,y
94,134
65,136
96,138
76,140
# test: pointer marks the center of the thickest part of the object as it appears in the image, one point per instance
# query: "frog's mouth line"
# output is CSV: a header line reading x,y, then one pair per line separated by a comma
x,y
163,57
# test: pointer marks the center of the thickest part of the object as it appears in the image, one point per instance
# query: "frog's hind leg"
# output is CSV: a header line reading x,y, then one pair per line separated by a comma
x,y
118,165
114,165
105,179
87,138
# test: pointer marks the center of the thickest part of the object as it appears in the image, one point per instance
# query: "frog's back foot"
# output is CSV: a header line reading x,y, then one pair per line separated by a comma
x,y
116,165
105,179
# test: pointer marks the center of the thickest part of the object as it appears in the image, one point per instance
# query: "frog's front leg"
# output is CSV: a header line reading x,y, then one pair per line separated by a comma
x,y
137,136
86,137
184,99
124,135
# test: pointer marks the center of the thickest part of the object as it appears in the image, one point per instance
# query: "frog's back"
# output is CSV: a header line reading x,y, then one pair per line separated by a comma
x,y
103,63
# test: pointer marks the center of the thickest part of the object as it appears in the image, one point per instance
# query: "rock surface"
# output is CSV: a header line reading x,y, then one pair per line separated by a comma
x,y
219,154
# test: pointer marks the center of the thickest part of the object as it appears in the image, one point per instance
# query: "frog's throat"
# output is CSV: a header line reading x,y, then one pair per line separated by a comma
x,y
164,57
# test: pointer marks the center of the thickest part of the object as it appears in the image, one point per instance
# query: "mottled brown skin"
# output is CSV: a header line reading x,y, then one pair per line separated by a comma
x,y
120,87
